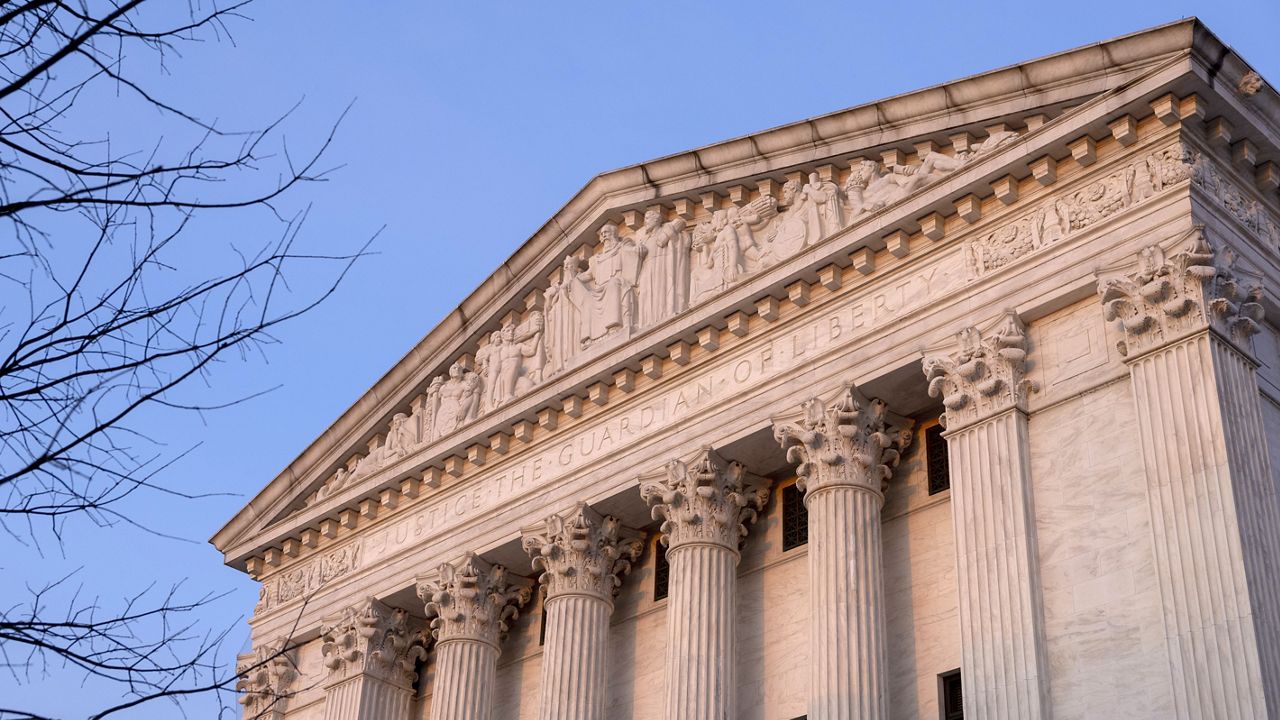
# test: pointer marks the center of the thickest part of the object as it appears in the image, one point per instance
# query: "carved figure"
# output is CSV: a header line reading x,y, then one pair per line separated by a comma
x,y
823,208
487,368
663,281
528,336
604,294
459,400
564,333
400,438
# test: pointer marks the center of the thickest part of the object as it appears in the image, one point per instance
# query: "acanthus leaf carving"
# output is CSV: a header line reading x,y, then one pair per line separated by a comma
x,y
707,500
852,441
1171,295
985,376
372,639
265,676
473,600
583,552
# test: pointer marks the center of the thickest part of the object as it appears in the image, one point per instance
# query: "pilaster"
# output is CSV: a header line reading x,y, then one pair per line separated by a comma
x,y
706,507
846,450
983,386
470,605
583,556
370,652
1188,316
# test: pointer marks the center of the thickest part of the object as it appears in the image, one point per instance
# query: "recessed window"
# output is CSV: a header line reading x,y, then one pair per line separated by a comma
x,y
542,628
939,466
795,518
661,570
952,699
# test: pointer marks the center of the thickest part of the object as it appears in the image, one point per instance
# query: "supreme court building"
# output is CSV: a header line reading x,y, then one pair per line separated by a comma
x,y
961,403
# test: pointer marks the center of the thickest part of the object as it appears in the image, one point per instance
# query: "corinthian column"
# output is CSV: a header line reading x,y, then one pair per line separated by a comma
x,y
705,507
470,604
1188,320
847,451
984,389
583,556
370,651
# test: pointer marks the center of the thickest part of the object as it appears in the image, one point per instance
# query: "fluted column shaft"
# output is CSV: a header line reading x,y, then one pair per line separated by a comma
x,y
701,623
574,658
465,675
846,587
1001,621
583,556
706,507
1214,521
367,698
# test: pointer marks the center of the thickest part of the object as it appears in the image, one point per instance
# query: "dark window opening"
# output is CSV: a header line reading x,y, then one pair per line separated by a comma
x,y
952,696
795,518
936,460
661,570
542,628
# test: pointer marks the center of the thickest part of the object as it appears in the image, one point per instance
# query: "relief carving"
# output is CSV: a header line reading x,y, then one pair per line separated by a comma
x,y
372,639
307,578
638,280
265,676
1059,218
473,600
710,500
1172,295
583,552
985,376
851,442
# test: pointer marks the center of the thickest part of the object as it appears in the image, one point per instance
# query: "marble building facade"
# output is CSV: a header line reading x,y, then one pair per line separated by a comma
x,y
678,459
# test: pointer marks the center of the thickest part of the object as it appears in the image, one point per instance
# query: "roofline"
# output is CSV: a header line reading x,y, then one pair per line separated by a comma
x,y
771,150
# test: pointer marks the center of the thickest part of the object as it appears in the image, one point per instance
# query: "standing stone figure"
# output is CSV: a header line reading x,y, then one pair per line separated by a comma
x,y
604,294
487,367
663,284
564,332
529,335
824,210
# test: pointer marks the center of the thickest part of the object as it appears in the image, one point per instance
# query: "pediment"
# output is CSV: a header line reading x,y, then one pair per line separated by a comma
x,y
647,263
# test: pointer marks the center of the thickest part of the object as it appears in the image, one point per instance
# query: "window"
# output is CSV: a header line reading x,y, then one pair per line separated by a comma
x,y
939,466
795,518
542,629
661,570
952,700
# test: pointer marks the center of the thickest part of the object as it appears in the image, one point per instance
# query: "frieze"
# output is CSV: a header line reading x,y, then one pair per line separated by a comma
x,y
640,278
305,579
1061,217
809,340
1215,184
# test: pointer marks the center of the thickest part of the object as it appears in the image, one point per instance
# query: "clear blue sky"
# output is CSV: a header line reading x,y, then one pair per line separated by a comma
x,y
473,123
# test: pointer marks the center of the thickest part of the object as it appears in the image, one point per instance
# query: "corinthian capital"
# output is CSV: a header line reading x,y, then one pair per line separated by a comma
x,y
372,639
473,600
1170,295
986,375
583,552
265,675
850,442
708,500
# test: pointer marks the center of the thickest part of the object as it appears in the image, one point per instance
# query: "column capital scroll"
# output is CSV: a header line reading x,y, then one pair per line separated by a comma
x,y
265,676
582,552
473,600
1170,295
373,639
985,376
852,441
707,500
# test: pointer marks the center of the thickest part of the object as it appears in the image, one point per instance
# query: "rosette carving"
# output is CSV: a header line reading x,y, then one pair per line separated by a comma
x,y
473,600
372,639
264,679
708,500
985,376
850,442
1171,295
583,552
